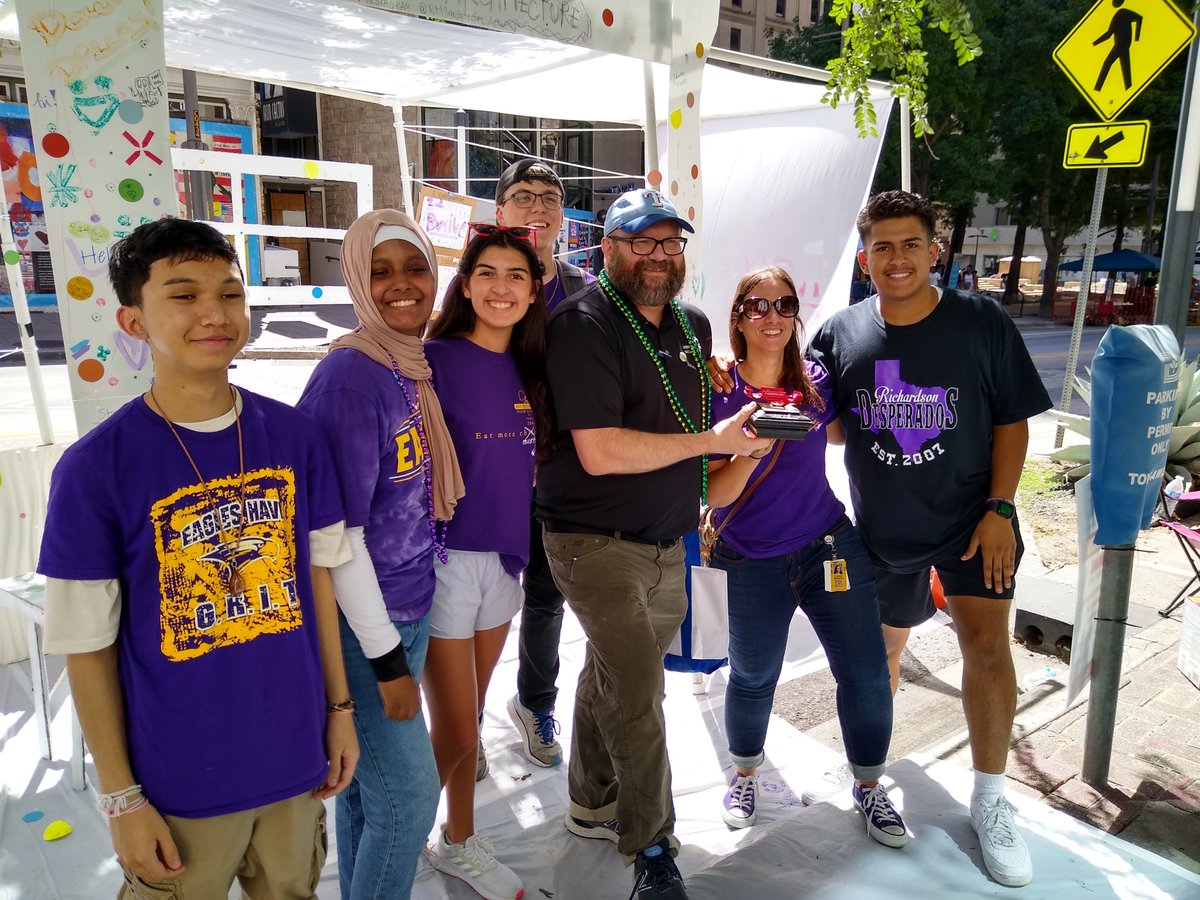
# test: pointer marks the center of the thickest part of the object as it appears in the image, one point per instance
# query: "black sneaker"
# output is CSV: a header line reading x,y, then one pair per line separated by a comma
x,y
657,876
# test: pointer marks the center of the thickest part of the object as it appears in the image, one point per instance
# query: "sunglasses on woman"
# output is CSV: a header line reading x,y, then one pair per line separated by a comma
x,y
487,229
760,307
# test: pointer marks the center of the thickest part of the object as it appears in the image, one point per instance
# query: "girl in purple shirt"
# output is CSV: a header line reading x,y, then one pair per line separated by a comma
x,y
784,541
487,352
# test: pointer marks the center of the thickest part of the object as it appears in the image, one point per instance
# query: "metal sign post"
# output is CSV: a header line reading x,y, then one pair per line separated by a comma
x,y
1085,287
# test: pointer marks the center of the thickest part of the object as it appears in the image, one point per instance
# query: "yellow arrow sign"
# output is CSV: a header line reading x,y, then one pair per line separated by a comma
x,y
1119,47
1115,145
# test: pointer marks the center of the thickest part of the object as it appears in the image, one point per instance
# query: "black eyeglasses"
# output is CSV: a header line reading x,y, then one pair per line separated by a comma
x,y
644,246
487,229
760,307
526,199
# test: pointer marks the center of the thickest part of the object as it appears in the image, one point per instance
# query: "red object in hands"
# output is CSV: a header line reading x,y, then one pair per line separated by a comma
x,y
773,396
935,588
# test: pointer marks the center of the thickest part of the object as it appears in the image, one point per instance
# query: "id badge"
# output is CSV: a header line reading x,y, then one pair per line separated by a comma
x,y
837,576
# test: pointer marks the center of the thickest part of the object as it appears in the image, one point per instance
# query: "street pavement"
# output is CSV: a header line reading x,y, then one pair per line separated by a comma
x,y
1153,795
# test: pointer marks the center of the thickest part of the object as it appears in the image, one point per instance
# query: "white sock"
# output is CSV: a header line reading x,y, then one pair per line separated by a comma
x,y
988,787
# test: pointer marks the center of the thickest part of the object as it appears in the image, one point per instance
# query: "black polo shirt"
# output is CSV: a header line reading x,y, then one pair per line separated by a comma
x,y
602,377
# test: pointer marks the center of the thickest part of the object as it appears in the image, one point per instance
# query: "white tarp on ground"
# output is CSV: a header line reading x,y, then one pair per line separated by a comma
x,y
793,851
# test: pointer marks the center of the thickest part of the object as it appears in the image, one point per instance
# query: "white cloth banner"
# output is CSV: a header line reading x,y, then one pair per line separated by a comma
x,y
813,154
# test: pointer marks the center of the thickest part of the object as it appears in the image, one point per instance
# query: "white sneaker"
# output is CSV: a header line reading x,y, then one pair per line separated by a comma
x,y
1004,850
474,862
428,884
832,783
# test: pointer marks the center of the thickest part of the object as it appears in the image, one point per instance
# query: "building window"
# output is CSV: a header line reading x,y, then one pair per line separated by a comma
x,y
815,11
735,39
781,8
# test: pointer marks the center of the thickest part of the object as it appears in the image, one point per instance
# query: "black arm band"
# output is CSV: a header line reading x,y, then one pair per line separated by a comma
x,y
392,665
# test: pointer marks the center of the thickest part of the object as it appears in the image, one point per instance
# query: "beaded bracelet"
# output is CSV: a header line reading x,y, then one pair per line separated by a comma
x,y
345,706
121,802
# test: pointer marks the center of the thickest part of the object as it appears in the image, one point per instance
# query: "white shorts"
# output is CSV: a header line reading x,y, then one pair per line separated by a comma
x,y
473,593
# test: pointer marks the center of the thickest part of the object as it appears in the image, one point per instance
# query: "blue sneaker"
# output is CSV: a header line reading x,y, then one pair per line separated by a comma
x,y
537,731
883,822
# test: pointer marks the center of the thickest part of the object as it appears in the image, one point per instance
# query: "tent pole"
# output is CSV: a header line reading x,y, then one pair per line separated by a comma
x,y
905,145
16,286
651,119
406,180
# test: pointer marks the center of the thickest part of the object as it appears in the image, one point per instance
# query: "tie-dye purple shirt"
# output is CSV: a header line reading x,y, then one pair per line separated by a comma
x,y
381,466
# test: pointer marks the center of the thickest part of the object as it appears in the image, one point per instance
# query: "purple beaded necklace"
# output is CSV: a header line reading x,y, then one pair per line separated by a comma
x,y
437,528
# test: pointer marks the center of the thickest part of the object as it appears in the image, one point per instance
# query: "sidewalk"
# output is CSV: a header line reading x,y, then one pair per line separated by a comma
x,y
1153,796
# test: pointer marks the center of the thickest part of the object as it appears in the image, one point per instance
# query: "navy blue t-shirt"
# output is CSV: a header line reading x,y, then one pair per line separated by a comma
x,y
918,403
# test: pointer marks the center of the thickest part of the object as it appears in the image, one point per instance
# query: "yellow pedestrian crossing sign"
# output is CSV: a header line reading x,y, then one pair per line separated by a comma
x,y
1104,146
1119,47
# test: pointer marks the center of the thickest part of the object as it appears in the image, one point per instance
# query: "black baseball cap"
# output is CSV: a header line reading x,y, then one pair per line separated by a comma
x,y
527,170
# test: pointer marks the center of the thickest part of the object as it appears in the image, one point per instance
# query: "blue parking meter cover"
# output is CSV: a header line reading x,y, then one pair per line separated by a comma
x,y
1135,381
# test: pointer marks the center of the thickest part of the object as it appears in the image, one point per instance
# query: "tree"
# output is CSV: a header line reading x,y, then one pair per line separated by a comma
x,y
884,37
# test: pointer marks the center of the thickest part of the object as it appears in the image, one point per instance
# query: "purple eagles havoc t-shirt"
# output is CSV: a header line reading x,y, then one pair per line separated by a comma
x,y
381,467
224,694
794,505
493,429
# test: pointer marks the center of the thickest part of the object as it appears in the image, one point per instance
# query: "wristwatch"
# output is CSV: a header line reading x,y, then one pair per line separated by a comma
x,y
1004,508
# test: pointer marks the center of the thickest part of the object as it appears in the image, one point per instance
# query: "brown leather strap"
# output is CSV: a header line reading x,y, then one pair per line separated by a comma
x,y
750,490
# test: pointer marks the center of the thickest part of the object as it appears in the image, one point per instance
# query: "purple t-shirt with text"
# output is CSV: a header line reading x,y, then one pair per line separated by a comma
x,y
381,467
494,435
224,694
794,505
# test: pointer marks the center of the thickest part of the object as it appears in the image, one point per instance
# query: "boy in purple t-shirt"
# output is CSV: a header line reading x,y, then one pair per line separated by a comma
x,y
186,555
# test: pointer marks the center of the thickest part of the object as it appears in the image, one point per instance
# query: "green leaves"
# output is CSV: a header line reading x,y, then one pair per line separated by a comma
x,y
885,38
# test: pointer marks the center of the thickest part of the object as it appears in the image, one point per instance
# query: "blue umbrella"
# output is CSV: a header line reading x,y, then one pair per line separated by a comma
x,y
1119,261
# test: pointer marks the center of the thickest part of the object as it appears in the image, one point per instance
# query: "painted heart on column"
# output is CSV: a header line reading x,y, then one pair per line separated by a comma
x,y
135,352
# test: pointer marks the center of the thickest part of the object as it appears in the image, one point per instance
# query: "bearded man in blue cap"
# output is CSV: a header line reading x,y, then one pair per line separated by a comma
x,y
626,367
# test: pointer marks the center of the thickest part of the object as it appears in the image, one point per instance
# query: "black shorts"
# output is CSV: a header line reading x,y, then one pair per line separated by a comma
x,y
905,600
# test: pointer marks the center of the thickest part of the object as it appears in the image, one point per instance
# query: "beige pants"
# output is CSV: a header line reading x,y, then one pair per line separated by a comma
x,y
276,853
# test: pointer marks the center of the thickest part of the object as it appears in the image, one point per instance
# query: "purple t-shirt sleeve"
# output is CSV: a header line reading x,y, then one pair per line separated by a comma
x,y
324,493
352,422
82,539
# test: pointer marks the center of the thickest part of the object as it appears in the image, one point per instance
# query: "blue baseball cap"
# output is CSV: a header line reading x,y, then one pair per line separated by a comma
x,y
635,211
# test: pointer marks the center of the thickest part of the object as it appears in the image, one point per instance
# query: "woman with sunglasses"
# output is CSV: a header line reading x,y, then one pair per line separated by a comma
x,y
399,475
487,349
784,541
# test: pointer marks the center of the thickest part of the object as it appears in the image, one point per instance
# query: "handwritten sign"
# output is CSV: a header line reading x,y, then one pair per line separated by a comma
x,y
444,217
97,73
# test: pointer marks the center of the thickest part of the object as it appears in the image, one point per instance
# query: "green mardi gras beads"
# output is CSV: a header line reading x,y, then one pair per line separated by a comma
x,y
681,414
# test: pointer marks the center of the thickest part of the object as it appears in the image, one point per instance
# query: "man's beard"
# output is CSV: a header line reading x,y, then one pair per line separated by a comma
x,y
630,284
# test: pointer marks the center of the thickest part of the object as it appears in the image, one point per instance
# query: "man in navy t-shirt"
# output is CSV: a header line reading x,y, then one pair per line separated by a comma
x,y
934,389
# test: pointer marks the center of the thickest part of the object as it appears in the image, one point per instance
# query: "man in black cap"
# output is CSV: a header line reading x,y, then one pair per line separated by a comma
x,y
626,368
530,194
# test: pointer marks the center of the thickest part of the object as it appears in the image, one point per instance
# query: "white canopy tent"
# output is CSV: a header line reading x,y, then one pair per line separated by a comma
x,y
782,174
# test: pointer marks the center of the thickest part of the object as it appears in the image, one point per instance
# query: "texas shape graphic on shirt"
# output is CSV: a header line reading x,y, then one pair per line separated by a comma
x,y
913,414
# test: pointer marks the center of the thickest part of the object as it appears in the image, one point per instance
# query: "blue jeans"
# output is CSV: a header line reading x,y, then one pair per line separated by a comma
x,y
763,596
386,813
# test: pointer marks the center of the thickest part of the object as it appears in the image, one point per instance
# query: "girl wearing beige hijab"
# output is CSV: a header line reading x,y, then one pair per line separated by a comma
x,y
400,481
